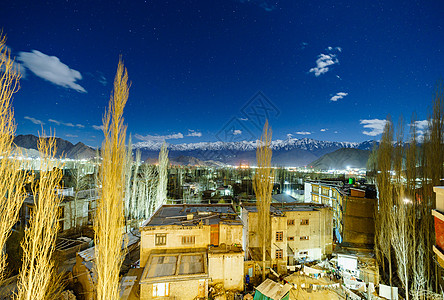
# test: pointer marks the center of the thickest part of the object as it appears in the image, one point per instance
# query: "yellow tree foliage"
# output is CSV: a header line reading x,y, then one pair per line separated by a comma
x,y
11,178
38,245
263,187
109,221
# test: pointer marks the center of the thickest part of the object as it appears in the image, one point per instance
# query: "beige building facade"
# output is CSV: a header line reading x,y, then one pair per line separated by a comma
x,y
299,232
200,244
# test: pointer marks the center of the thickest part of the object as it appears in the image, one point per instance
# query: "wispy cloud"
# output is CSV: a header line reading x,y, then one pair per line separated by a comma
x,y
237,132
34,120
98,127
243,119
375,126
71,135
159,138
422,127
66,124
338,96
325,61
194,133
303,45
51,69
324,129
303,132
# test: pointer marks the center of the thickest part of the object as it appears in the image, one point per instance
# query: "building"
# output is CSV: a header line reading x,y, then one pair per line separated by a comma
x,y
75,209
187,248
353,209
438,215
299,232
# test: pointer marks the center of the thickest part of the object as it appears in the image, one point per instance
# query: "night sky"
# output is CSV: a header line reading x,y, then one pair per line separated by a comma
x,y
328,70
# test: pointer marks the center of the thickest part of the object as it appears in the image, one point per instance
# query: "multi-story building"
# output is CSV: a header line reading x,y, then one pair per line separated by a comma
x,y
299,232
185,248
353,209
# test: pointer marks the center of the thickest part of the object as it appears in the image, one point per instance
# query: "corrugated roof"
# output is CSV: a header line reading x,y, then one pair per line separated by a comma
x,y
274,290
88,254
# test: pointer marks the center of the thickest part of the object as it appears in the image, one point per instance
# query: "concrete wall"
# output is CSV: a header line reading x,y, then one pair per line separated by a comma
x,y
186,290
227,268
228,234
174,234
358,220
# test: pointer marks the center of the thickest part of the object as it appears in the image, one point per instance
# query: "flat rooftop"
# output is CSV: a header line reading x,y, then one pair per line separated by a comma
x,y
279,208
193,215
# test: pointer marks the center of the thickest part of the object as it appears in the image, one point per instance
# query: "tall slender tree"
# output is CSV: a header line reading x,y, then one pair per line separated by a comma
x,y
162,182
263,187
12,178
109,222
38,268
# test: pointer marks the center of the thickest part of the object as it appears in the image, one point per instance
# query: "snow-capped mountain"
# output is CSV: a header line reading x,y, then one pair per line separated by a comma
x,y
289,152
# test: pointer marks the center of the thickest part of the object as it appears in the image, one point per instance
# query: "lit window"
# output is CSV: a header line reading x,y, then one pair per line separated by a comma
x,y
304,222
161,289
304,238
161,239
290,222
279,236
188,240
279,254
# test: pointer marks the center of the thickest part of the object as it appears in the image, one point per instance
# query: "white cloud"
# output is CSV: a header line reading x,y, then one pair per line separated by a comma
x,y
338,96
34,120
98,127
422,127
243,119
71,135
51,69
289,135
322,64
194,133
324,129
303,132
375,126
159,138
237,132
66,124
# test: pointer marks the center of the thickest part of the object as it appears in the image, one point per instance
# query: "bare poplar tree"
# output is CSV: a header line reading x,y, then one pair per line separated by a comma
x,y
263,187
135,207
162,177
109,221
383,218
148,188
37,272
12,179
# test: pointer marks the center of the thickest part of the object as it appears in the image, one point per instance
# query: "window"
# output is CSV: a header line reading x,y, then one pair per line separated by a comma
x,y
305,222
290,238
304,238
279,236
188,240
161,289
279,254
303,253
290,222
161,239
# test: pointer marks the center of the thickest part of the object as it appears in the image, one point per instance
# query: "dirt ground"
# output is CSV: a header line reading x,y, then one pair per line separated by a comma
x,y
300,293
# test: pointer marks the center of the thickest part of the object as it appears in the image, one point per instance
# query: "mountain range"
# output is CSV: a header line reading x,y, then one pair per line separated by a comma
x,y
290,152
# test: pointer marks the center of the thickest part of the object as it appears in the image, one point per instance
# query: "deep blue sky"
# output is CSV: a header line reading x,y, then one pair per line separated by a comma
x,y
195,64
